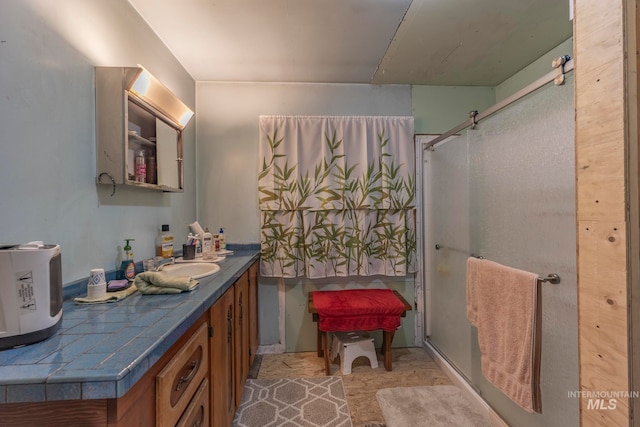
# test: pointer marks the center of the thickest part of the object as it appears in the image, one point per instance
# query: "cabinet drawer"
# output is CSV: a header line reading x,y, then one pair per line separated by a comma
x,y
180,378
197,413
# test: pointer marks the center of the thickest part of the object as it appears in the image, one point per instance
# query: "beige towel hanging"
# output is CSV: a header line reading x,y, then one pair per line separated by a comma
x,y
504,304
472,283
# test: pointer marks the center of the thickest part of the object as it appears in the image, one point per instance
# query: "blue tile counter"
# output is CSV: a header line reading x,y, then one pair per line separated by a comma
x,y
102,350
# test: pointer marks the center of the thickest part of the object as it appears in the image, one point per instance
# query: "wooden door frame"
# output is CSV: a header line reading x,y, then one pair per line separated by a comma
x,y
607,199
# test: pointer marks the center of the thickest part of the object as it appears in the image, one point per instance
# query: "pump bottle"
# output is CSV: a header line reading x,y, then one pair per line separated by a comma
x,y
223,243
208,252
127,266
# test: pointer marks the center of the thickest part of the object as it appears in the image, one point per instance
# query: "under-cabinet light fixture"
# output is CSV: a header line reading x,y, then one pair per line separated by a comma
x,y
150,90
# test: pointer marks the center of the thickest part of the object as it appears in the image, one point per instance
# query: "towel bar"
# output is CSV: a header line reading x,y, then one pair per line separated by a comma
x,y
552,278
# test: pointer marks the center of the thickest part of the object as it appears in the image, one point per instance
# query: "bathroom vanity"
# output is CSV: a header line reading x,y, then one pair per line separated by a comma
x,y
148,360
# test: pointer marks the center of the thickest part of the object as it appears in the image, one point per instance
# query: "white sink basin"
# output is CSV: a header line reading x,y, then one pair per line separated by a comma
x,y
194,270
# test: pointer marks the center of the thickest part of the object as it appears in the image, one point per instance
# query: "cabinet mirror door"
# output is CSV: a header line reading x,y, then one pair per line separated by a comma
x,y
168,155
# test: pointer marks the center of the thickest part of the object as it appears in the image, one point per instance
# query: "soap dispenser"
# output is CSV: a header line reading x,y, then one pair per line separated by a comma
x,y
128,266
128,250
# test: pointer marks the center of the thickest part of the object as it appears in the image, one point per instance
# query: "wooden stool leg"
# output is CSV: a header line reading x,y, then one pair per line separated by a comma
x,y
327,358
319,340
387,339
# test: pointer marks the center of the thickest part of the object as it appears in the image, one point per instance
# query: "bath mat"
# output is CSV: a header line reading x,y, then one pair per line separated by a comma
x,y
293,402
433,406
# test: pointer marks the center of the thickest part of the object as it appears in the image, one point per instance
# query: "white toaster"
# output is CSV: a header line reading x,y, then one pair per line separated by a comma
x,y
30,293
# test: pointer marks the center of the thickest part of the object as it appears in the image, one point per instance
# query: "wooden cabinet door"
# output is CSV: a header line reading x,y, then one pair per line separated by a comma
x,y
254,339
221,353
241,289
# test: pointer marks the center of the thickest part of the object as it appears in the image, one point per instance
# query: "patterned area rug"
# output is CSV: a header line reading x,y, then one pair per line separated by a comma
x,y
429,406
293,402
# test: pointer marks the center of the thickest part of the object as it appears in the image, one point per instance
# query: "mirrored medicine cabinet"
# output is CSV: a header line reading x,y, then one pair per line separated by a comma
x,y
139,124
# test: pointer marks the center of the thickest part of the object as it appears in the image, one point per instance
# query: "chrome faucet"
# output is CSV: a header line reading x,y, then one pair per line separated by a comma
x,y
165,261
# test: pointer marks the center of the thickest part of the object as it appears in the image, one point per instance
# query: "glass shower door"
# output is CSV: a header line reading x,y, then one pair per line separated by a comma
x,y
506,191
447,222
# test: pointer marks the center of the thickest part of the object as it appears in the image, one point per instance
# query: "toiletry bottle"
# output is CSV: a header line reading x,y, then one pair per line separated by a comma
x,y
207,245
128,266
198,246
216,243
164,247
140,168
128,250
223,243
151,169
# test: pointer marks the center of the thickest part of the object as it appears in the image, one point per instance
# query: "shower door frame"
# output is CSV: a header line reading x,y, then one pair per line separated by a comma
x,y
422,290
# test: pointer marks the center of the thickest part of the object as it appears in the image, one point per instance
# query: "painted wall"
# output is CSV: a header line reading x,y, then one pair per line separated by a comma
x,y
48,51
437,109
533,71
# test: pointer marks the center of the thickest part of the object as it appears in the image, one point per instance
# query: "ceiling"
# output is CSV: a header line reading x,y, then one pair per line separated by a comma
x,y
422,42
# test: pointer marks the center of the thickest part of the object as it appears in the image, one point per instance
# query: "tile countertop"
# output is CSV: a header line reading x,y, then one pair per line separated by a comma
x,y
102,350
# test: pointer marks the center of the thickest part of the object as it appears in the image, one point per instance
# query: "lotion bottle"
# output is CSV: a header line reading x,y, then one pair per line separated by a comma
x,y
207,245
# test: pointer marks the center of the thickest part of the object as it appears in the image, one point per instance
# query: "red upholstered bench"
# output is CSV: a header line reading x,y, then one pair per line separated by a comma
x,y
357,310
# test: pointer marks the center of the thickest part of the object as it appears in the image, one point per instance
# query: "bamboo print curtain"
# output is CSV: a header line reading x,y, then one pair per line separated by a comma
x,y
336,196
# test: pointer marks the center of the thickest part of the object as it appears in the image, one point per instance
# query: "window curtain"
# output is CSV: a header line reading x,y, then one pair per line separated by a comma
x,y
336,196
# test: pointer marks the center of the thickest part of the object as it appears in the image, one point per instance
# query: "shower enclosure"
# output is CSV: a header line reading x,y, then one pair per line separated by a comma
x,y
506,191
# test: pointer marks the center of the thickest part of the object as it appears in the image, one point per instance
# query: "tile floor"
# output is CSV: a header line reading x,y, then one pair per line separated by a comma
x,y
411,367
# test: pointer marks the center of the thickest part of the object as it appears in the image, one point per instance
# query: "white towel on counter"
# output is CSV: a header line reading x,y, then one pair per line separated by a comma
x,y
108,297
155,283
